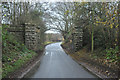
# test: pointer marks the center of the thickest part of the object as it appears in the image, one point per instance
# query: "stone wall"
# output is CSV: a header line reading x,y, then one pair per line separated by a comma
x,y
77,38
18,31
28,34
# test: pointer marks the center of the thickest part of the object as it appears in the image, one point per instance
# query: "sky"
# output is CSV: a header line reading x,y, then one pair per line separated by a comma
x,y
51,31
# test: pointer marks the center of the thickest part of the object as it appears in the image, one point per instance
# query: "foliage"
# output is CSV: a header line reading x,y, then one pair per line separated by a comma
x,y
99,22
112,54
21,13
47,42
14,54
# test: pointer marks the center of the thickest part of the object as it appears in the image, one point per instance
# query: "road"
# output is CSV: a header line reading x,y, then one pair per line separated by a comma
x,y
57,64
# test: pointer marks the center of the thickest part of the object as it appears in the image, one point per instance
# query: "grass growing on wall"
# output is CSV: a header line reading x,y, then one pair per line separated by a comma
x,y
14,55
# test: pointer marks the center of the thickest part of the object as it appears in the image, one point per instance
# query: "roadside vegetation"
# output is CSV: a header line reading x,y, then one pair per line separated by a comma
x,y
106,66
48,42
100,41
14,55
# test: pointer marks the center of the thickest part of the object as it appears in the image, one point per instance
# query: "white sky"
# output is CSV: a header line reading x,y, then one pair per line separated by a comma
x,y
51,31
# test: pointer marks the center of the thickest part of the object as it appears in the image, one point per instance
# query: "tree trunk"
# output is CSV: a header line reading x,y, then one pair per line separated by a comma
x,y
14,13
92,47
119,26
92,35
20,9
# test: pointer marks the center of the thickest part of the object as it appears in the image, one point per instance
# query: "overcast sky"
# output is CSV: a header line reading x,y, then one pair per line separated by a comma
x,y
51,31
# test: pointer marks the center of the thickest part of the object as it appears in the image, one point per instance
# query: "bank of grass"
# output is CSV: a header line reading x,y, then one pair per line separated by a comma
x,y
105,60
48,42
15,61
14,53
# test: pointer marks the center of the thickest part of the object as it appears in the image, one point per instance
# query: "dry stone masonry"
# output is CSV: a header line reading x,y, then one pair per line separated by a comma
x,y
18,31
77,38
30,36
27,34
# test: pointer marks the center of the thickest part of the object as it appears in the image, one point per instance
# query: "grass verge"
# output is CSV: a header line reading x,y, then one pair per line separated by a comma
x,y
48,42
99,60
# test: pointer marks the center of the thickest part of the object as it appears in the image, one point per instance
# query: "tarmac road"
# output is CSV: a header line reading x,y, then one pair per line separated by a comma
x,y
57,64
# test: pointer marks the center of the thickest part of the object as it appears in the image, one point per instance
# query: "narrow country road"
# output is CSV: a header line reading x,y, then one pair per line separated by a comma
x,y
57,64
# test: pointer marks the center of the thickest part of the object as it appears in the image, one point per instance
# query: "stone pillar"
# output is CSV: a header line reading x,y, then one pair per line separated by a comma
x,y
77,37
30,36
38,37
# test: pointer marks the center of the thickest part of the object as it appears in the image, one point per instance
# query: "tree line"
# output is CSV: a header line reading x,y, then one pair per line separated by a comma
x,y
20,13
99,22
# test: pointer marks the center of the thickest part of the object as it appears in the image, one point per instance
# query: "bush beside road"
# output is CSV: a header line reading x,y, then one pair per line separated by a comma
x,y
96,64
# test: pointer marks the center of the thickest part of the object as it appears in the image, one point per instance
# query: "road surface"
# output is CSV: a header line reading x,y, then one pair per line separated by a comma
x,y
57,64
